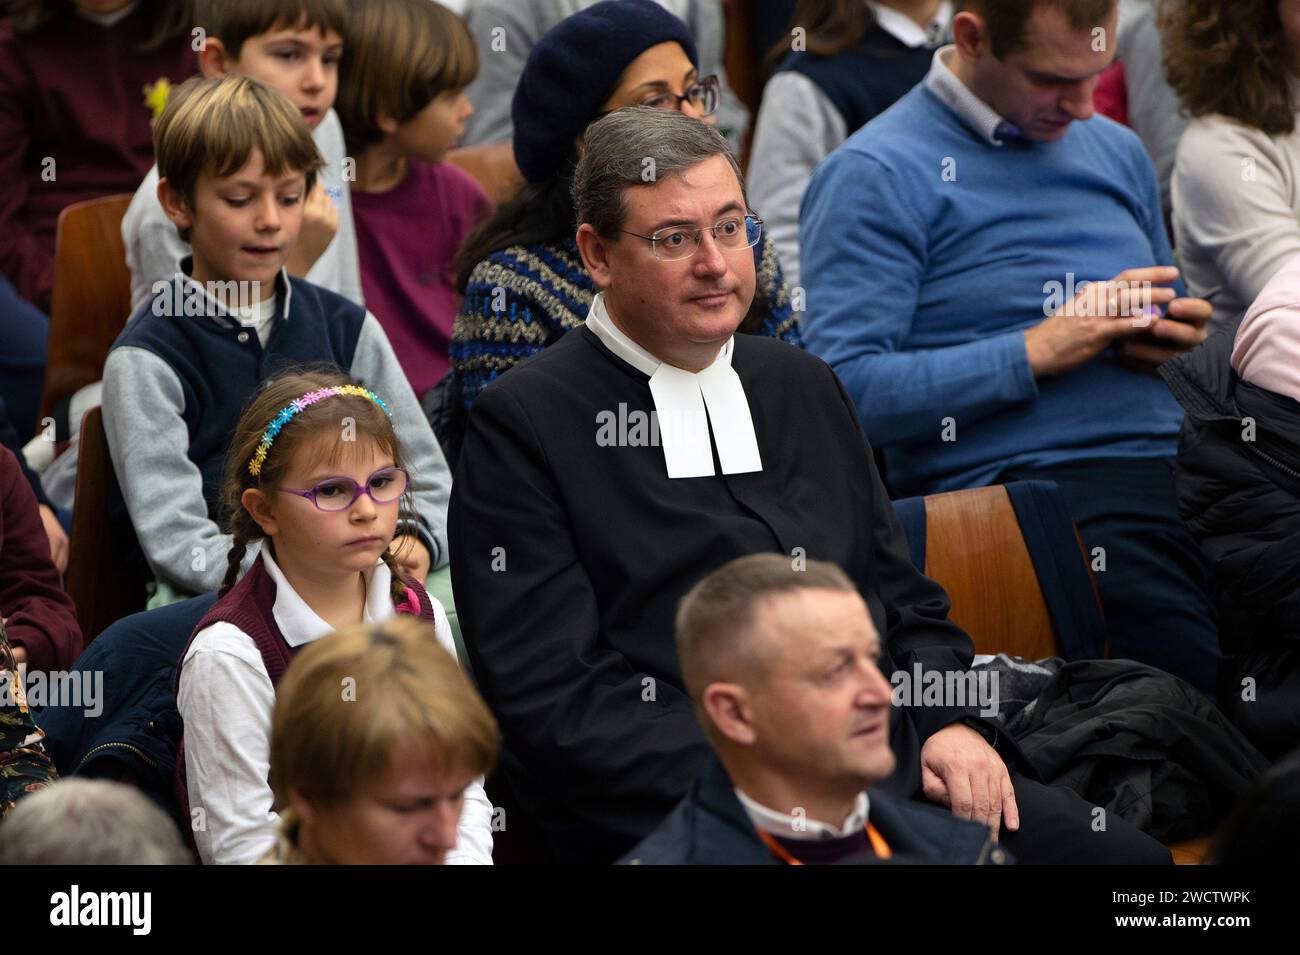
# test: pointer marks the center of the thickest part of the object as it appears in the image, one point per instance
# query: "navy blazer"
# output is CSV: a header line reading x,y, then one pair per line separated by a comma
x,y
711,827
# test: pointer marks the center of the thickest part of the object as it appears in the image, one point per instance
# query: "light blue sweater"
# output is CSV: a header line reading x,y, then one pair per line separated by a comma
x,y
926,253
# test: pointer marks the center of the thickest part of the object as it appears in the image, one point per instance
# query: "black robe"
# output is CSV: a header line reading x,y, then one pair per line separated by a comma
x,y
569,558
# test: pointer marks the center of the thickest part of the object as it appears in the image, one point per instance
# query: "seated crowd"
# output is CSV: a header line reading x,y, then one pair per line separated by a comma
x,y
649,592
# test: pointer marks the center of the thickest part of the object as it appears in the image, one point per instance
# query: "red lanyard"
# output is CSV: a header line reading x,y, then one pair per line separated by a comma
x,y
878,845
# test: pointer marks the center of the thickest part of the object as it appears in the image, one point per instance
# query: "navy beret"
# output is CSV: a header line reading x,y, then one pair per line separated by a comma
x,y
573,69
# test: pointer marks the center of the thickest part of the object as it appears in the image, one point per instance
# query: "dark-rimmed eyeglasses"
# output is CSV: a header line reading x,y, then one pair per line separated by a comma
x,y
703,94
339,493
679,242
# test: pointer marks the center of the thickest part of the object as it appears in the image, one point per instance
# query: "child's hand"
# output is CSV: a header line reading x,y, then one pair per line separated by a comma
x,y
58,539
411,556
320,220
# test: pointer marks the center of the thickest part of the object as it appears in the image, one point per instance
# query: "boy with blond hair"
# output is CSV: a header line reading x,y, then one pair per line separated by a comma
x,y
236,160
294,46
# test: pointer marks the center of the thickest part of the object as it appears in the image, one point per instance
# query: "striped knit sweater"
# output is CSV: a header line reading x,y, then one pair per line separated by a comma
x,y
546,291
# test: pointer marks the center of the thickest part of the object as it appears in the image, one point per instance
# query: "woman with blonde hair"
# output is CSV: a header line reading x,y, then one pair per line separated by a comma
x,y
376,736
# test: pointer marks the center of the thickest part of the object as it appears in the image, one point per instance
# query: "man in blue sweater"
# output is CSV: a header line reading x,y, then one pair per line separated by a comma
x,y
946,249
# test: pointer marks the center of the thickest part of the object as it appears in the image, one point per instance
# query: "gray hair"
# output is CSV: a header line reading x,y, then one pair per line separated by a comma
x,y
635,146
90,822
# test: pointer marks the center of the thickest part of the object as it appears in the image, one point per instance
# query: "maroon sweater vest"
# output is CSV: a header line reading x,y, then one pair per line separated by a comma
x,y
250,606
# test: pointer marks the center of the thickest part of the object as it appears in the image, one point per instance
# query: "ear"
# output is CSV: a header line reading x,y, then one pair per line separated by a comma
x,y
175,205
258,505
301,807
387,125
969,35
727,705
595,255
215,60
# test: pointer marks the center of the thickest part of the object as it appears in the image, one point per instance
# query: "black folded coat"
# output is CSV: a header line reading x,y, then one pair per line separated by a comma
x,y
1139,743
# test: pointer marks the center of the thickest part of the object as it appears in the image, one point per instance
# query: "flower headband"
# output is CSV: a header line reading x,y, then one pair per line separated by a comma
x,y
299,404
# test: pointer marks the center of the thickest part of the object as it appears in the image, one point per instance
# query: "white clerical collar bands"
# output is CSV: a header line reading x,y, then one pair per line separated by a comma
x,y
685,403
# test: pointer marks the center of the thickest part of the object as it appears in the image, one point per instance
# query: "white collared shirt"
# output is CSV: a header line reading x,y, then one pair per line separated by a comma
x,y
906,30
686,403
226,700
958,97
791,826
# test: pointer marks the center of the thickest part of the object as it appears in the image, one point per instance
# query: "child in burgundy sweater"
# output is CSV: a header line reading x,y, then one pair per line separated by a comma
x,y
403,106
39,616
80,82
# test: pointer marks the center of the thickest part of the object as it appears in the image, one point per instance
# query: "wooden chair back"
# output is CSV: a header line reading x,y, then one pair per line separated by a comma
x,y
91,300
975,550
102,579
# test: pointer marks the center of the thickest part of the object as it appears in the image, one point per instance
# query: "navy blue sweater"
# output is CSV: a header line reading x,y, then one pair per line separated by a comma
x,y
867,78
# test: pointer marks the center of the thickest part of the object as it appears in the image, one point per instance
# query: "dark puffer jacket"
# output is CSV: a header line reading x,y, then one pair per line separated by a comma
x,y
1238,477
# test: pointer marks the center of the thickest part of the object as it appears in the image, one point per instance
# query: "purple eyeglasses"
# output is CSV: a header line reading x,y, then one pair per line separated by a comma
x,y
338,494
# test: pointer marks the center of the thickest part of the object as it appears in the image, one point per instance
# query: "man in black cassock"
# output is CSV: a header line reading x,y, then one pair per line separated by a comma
x,y
602,478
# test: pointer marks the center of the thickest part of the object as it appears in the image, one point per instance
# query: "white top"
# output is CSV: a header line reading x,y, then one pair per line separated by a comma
x,y
906,30
226,700
681,399
789,826
1236,199
257,316
797,127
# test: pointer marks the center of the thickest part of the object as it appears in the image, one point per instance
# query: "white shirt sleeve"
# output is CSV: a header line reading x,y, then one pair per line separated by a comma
x,y
797,128
339,267
226,700
474,832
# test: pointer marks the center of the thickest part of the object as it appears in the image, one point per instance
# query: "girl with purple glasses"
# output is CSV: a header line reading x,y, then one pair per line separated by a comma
x,y
315,475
